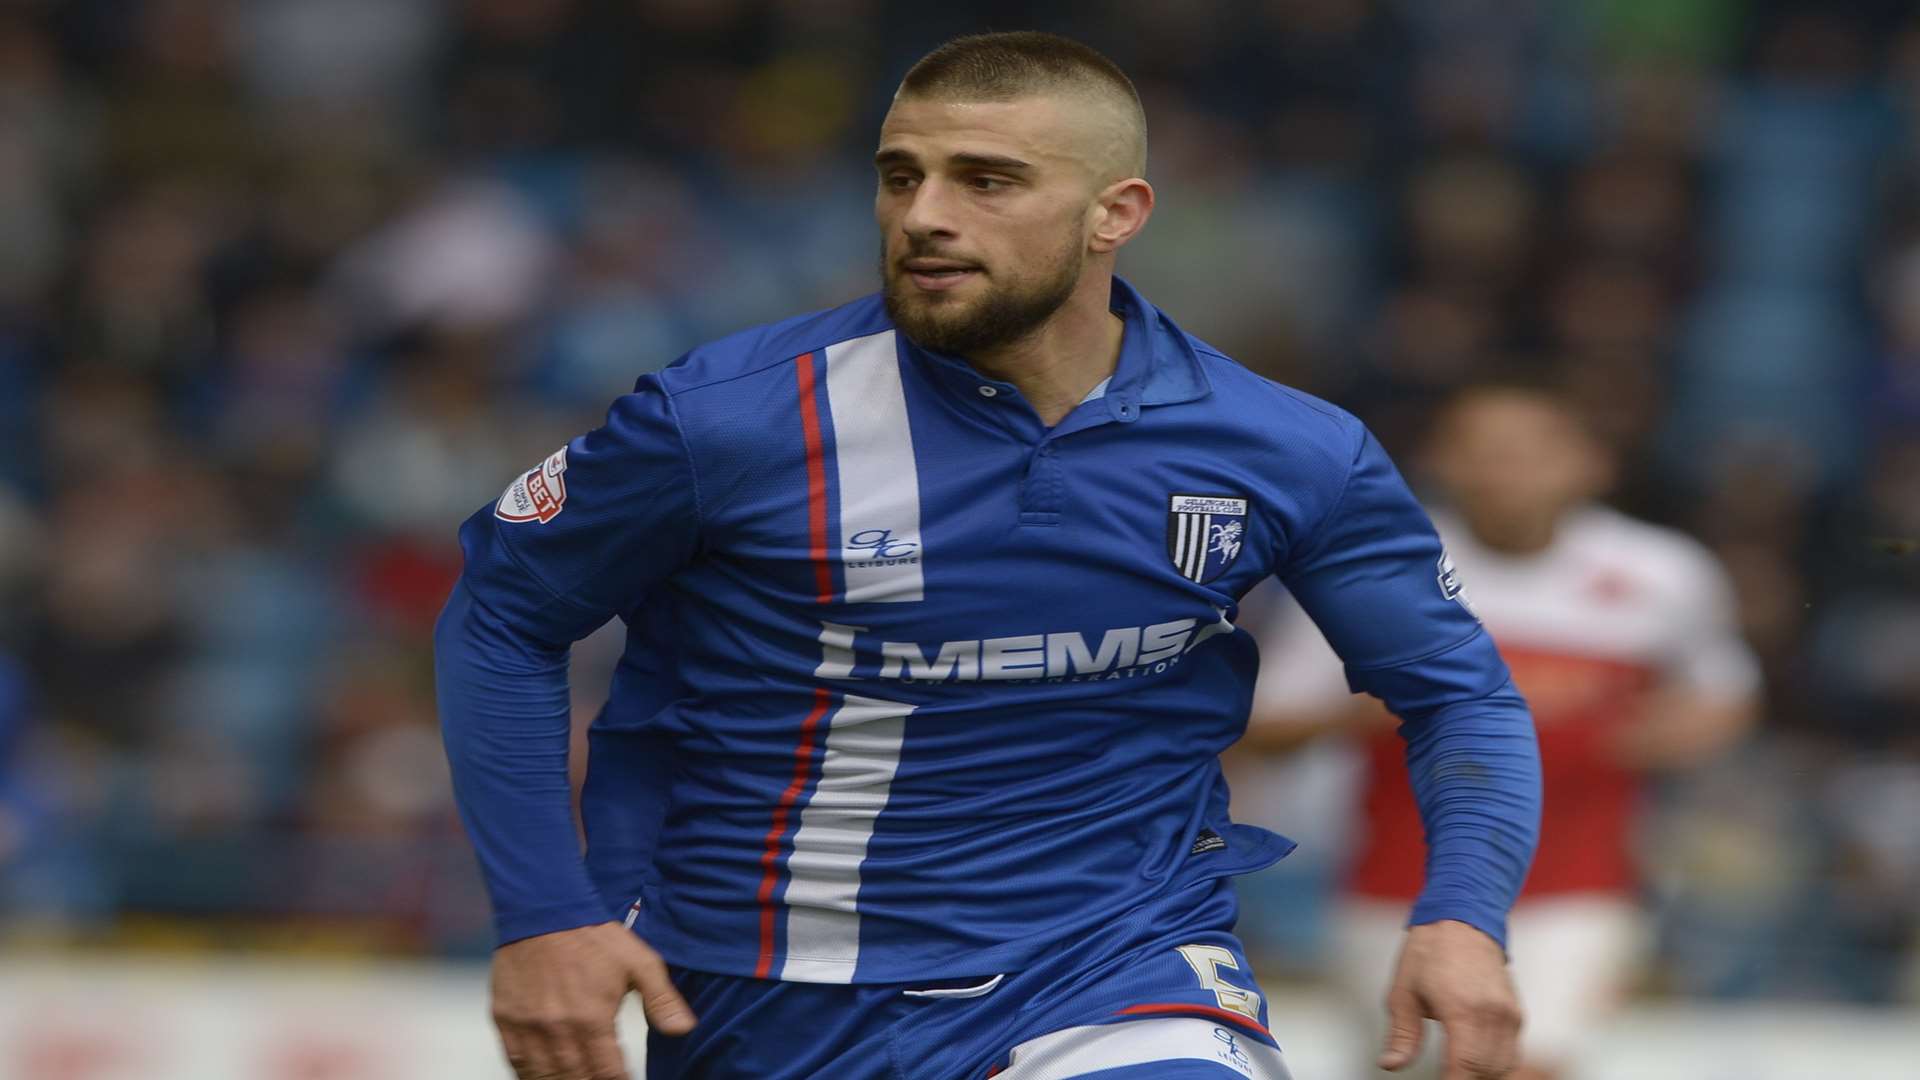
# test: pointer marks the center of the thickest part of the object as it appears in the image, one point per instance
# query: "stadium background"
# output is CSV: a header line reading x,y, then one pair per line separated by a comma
x,y
288,287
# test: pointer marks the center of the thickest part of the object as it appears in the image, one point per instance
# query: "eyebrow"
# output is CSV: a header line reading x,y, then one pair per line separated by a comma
x,y
968,159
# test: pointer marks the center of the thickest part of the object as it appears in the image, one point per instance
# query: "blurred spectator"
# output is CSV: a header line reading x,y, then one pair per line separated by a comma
x,y
16,814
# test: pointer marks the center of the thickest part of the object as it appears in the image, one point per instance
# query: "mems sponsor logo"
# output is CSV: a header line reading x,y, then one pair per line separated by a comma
x,y
1123,652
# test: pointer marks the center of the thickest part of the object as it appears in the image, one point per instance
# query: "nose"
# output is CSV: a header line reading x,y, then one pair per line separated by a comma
x,y
929,214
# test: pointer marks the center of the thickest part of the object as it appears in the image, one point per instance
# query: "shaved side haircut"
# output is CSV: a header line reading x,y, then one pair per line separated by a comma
x,y
1017,64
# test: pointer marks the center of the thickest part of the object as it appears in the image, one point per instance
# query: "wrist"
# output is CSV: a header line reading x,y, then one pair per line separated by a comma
x,y
1451,937
1450,928
1487,920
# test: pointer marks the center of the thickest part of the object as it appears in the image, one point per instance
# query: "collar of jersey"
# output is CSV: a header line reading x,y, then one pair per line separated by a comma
x,y
1157,365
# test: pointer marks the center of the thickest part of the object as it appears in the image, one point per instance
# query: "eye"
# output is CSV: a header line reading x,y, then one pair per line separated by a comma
x,y
899,181
988,183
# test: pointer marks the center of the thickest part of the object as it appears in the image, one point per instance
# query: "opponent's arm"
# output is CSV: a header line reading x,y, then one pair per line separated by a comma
x,y
570,544
1708,697
1682,727
1371,576
1280,734
1300,696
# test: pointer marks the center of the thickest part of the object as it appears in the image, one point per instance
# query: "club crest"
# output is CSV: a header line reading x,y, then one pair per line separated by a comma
x,y
1205,534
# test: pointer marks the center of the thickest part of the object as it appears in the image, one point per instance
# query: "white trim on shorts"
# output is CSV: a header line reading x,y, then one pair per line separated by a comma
x,y
1076,1051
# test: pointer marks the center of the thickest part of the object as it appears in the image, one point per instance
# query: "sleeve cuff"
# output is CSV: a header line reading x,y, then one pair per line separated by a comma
x,y
509,927
1488,920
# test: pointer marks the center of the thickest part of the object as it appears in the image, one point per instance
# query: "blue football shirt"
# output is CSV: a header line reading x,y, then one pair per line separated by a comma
x,y
914,685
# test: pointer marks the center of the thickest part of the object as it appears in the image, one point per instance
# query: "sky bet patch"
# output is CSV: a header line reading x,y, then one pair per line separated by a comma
x,y
538,495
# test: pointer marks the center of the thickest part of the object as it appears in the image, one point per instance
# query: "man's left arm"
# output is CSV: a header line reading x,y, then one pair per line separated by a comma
x,y
1373,576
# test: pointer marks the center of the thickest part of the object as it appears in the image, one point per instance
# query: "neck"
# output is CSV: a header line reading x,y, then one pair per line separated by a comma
x,y
1513,536
1064,358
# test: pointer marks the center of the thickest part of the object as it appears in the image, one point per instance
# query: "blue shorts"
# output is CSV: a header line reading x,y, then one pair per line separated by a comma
x,y
1164,992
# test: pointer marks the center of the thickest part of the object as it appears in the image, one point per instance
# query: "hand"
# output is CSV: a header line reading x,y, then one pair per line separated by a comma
x,y
1457,975
555,996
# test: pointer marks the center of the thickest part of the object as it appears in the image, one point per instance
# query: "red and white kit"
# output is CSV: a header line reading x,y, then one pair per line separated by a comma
x,y
1611,611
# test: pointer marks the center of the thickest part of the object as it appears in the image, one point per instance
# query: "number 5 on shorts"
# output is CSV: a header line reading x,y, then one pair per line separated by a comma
x,y
1206,961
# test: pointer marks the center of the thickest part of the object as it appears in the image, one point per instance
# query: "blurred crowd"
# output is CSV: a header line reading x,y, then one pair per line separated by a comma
x,y
289,287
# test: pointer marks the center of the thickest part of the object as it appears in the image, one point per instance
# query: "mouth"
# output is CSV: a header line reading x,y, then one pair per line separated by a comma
x,y
938,275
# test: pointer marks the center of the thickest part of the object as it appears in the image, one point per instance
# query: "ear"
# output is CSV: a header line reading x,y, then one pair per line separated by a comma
x,y
1120,210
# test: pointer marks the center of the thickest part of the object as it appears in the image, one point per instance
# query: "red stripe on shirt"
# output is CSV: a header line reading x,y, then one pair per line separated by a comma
x,y
770,858
822,697
816,481
1178,1008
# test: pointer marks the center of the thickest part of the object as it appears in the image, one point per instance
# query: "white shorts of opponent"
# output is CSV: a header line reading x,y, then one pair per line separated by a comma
x,y
1571,958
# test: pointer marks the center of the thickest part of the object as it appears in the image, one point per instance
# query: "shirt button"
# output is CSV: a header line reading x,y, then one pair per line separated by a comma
x,y
989,391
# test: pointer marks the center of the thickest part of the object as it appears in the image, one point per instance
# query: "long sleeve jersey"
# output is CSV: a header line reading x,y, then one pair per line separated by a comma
x,y
915,685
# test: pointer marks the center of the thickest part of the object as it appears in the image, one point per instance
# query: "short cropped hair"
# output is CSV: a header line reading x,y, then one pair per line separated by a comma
x,y
1013,64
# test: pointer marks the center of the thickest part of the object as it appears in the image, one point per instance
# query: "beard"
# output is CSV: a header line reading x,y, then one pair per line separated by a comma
x,y
1003,314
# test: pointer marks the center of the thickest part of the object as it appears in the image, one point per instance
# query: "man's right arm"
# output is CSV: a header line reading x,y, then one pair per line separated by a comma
x,y
570,544
506,722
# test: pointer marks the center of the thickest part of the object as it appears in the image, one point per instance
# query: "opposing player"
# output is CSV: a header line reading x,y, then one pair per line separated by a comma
x,y
911,769
1622,636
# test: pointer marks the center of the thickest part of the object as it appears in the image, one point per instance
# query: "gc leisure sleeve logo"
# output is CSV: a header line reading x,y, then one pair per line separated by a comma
x,y
538,495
